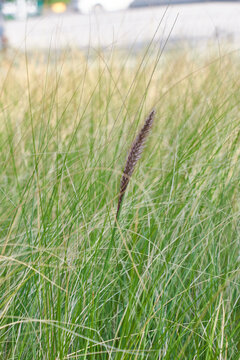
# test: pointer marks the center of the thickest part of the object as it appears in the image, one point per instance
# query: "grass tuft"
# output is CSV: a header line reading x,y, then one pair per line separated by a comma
x,y
168,286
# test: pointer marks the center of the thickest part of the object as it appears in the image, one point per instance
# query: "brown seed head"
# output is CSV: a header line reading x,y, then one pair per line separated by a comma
x,y
134,155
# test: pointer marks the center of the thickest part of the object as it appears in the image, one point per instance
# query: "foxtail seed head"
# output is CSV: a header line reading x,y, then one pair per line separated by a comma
x,y
133,156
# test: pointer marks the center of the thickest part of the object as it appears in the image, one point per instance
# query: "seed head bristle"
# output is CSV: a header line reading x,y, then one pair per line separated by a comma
x,y
134,155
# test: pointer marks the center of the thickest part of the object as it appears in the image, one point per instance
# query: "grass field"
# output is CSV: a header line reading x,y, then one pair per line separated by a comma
x,y
167,285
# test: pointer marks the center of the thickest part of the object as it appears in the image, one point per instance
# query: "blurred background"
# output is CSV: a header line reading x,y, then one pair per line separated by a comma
x,y
40,24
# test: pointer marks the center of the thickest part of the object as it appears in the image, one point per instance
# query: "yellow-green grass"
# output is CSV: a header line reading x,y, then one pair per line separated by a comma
x,y
167,287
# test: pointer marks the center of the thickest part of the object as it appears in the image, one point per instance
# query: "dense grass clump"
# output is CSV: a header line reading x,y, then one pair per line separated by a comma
x,y
167,287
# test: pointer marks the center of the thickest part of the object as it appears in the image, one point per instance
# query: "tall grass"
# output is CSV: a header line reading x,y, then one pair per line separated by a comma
x,y
170,289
